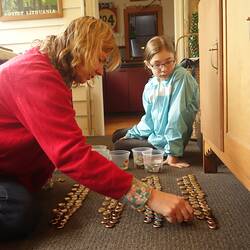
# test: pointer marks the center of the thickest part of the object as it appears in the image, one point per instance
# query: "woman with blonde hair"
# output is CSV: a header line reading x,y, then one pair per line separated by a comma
x,y
39,132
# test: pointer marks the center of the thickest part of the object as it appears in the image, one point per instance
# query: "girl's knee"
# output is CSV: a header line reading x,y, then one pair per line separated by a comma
x,y
118,134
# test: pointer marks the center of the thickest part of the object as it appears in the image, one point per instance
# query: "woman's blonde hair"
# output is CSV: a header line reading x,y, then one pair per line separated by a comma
x,y
156,45
82,43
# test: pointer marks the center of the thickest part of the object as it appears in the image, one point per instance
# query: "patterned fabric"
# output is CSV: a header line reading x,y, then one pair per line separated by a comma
x,y
138,194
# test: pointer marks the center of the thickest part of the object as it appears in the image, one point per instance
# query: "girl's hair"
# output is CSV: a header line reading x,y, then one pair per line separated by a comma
x,y
156,45
81,43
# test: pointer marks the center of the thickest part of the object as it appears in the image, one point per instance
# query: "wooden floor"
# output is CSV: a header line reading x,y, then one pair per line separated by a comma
x,y
121,120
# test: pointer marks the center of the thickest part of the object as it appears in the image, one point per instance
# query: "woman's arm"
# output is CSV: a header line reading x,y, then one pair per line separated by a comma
x,y
172,207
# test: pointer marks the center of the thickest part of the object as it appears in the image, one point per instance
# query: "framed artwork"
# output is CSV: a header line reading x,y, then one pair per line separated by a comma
x,y
29,9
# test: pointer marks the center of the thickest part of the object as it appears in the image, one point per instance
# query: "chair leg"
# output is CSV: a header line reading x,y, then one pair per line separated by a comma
x,y
210,162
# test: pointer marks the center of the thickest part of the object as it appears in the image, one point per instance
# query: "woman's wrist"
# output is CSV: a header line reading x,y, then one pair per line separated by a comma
x,y
138,195
150,200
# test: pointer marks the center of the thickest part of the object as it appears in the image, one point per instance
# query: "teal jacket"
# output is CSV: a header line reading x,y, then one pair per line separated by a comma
x,y
170,108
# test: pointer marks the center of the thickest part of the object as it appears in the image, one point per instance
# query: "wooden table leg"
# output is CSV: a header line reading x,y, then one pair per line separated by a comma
x,y
210,160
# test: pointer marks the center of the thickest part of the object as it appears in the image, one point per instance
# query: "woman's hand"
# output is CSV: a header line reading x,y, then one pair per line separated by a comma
x,y
174,161
174,208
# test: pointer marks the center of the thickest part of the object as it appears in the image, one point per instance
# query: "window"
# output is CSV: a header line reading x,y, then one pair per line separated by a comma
x,y
141,24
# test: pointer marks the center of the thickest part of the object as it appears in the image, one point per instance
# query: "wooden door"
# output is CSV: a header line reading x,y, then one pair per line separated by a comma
x,y
237,87
211,84
116,95
138,77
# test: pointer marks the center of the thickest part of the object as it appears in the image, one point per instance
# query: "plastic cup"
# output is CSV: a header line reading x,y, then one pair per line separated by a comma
x,y
103,150
97,147
153,160
120,158
138,157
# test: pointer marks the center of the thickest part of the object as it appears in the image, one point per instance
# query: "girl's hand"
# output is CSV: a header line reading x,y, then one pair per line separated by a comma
x,y
174,208
123,138
175,162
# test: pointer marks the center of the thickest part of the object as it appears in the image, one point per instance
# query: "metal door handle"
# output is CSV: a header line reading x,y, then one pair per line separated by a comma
x,y
211,56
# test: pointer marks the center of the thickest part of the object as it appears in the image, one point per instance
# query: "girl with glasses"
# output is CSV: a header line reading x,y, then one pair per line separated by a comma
x,y
170,100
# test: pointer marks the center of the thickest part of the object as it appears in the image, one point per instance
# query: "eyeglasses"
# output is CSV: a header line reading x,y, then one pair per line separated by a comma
x,y
159,66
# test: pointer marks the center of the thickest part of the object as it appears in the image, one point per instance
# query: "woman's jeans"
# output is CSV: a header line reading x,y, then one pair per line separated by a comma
x,y
18,212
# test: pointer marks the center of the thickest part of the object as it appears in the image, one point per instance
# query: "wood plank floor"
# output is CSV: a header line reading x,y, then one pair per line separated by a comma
x,y
121,120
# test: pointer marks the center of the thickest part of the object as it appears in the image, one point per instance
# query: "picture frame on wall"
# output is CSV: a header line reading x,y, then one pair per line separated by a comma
x,y
109,15
30,9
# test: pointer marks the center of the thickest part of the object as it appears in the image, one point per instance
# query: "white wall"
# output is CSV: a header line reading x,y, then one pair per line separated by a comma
x,y
18,35
96,92
167,11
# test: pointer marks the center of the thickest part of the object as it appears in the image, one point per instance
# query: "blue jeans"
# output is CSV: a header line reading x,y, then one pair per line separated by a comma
x,y
130,143
18,212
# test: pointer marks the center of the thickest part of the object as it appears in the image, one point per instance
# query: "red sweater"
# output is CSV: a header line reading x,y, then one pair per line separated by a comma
x,y
38,131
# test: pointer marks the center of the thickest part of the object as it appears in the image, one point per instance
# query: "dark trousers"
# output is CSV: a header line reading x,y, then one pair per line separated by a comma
x,y
130,143
18,211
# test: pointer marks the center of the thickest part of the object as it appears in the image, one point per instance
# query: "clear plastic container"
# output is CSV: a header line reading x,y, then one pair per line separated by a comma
x,y
153,160
97,147
138,157
103,150
120,158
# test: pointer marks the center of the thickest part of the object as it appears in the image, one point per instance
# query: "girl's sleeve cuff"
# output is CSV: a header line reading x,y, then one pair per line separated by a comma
x,y
138,194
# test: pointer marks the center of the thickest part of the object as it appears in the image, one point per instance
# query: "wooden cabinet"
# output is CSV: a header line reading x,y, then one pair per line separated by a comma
x,y
123,89
81,104
211,89
116,93
225,85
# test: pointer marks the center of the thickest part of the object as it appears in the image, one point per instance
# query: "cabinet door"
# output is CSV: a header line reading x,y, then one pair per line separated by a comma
x,y
116,91
138,77
237,87
211,85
